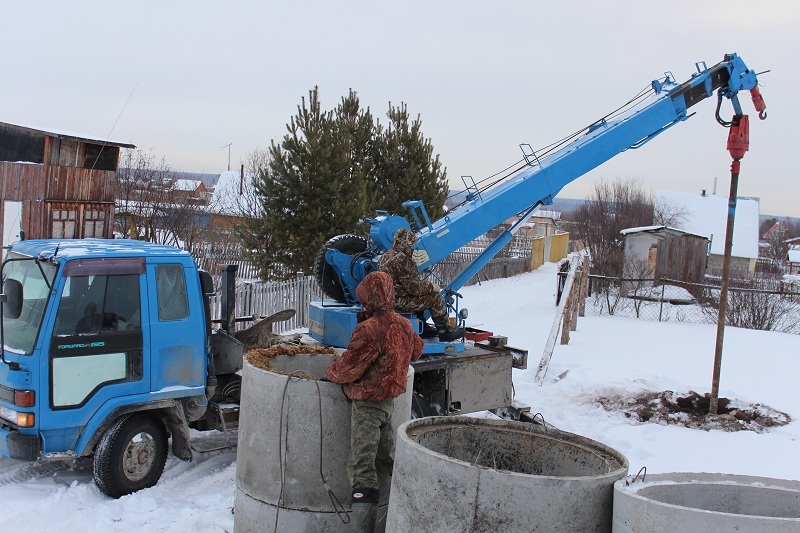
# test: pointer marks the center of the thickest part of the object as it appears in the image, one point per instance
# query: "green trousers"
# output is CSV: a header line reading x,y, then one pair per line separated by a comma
x,y
371,442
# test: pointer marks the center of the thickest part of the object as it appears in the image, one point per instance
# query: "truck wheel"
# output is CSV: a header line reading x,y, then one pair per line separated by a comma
x,y
130,455
420,408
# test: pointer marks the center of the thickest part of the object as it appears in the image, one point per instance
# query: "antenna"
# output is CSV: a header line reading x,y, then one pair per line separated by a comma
x,y
228,146
96,159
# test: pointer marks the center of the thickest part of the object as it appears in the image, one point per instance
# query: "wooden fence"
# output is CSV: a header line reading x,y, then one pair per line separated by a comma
x,y
261,299
552,248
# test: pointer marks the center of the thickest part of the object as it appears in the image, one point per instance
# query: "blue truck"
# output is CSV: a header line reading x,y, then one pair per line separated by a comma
x,y
108,351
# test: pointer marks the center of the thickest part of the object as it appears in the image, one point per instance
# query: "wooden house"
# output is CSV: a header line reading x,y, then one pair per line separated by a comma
x,y
707,215
55,184
190,191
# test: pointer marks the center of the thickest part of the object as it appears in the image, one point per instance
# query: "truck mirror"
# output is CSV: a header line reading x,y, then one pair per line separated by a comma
x,y
12,298
206,282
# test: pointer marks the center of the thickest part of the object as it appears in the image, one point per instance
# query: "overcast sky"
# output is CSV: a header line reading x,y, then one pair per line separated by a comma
x,y
484,77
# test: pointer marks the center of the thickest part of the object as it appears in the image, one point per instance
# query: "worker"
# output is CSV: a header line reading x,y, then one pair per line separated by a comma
x,y
373,372
414,294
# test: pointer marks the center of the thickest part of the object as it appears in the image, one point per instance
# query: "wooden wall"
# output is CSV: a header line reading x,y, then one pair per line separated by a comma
x,y
79,184
682,257
42,188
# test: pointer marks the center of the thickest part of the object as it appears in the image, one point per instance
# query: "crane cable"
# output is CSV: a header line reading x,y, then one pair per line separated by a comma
x,y
518,166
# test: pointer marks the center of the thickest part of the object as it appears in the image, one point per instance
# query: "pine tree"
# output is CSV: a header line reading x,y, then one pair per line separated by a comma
x,y
330,170
406,168
313,189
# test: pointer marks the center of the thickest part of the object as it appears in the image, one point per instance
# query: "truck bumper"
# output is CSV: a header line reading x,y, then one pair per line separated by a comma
x,y
20,446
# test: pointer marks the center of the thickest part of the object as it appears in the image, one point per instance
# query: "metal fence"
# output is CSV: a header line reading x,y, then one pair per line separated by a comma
x,y
499,267
752,304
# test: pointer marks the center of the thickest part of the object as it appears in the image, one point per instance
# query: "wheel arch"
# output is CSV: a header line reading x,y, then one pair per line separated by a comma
x,y
169,412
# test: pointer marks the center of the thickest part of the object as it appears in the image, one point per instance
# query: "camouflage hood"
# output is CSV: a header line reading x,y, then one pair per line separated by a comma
x,y
376,292
404,241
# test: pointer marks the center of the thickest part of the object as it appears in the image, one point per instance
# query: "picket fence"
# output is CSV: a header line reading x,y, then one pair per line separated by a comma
x,y
255,300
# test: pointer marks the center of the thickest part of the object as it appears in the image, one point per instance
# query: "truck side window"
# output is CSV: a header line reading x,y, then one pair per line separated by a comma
x,y
96,304
173,303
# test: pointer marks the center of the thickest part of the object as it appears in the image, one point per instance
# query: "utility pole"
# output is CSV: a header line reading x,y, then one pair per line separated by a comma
x,y
228,146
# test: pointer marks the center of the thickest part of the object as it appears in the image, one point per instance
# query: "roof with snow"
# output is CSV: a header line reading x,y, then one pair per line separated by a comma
x,y
186,185
228,192
707,215
654,229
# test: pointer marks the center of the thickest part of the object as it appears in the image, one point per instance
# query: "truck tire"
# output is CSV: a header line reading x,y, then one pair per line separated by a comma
x,y
326,276
130,455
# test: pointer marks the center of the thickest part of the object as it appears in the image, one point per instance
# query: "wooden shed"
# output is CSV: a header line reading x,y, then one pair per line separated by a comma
x,y
670,253
55,184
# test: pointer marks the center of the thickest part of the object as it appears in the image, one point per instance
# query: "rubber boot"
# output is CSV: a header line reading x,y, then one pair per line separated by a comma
x,y
428,331
362,515
446,332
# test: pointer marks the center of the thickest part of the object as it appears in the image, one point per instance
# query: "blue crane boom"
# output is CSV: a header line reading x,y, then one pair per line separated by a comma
x,y
666,103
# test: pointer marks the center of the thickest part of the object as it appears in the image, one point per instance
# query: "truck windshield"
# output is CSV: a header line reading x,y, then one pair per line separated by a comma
x,y
19,334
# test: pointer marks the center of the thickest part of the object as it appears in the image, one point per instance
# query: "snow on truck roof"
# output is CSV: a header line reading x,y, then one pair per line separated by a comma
x,y
94,248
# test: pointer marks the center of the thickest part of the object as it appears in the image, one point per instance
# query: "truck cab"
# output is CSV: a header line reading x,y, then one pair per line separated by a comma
x,y
105,351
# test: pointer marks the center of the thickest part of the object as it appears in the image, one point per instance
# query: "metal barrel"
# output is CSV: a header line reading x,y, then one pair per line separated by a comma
x,y
498,475
282,455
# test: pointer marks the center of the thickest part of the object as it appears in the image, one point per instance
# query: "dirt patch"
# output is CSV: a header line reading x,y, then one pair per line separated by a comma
x,y
691,410
261,357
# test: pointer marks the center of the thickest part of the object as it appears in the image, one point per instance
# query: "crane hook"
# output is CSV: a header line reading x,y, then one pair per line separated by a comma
x,y
758,103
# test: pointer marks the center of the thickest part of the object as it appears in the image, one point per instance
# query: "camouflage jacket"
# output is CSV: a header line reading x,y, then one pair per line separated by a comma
x,y
375,364
399,263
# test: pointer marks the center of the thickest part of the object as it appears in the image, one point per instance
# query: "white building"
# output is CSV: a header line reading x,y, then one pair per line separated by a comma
x,y
707,215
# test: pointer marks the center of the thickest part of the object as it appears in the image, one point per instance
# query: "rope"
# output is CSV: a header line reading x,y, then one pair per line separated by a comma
x,y
297,375
96,159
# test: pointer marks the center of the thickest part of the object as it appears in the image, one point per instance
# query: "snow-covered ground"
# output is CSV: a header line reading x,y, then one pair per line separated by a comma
x,y
606,355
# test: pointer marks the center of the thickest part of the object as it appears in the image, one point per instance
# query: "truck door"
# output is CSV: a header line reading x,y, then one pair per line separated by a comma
x,y
177,328
95,353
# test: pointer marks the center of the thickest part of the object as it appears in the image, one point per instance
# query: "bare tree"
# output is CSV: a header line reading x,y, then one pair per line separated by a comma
x,y
611,208
251,230
756,310
637,283
140,193
670,214
148,207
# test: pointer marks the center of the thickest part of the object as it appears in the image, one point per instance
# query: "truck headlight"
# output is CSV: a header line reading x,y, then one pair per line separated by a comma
x,y
23,420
